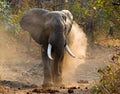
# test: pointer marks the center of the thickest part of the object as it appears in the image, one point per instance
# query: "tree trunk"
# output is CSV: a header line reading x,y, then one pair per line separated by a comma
x,y
89,30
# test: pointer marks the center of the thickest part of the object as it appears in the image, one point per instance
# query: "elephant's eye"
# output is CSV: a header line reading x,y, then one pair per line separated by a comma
x,y
65,28
64,17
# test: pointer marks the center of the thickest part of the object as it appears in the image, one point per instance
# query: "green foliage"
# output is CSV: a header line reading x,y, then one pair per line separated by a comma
x,y
101,12
96,90
4,11
110,77
13,23
86,9
6,17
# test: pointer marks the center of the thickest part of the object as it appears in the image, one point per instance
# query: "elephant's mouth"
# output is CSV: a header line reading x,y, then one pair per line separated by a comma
x,y
49,51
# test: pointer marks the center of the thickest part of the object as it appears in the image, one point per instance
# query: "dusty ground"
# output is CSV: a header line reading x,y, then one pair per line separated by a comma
x,y
21,70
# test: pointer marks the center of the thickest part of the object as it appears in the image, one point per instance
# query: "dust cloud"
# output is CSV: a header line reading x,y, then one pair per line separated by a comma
x,y
11,46
10,54
17,64
7,52
78,45
15,60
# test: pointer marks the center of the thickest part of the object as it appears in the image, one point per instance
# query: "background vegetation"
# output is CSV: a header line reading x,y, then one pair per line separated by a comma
x,y
96,17
100,19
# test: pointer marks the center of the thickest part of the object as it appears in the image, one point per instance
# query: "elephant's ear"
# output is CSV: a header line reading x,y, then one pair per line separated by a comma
x,y
68,14
48,21
68,21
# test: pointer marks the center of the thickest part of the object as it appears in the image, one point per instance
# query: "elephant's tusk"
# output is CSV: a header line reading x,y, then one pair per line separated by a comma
x,y
69,51
49,51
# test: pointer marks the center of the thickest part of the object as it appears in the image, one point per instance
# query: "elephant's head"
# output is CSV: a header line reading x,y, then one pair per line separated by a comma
x,y
49,28
63,24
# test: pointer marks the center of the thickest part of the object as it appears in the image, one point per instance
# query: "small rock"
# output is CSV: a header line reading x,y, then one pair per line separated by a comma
x,y
29,93
83,81
78,87
38,90
19,88
73,87
86,87
62,87
52,91
70,91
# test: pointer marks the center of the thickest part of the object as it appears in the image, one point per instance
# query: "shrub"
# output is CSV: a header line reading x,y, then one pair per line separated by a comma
x,y
8,19
4,11
110,77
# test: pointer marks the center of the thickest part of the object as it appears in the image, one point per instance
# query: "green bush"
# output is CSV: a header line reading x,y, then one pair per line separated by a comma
x,y
5,11
110,77
9,20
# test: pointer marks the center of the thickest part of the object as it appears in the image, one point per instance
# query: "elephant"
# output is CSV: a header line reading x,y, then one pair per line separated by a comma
x,y
50,29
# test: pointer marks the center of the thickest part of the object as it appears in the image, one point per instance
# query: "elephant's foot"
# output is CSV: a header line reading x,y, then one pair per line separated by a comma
x,y
58,82
47,85
58,85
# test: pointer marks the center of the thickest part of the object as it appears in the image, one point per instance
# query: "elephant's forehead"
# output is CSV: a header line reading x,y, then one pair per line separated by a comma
x,y
55,14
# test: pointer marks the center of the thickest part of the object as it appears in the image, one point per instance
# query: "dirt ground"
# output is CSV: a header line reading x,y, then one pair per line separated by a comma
x,y
21,70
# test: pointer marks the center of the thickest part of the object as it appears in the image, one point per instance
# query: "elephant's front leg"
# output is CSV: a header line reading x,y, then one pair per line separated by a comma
x,y
48,82
58,67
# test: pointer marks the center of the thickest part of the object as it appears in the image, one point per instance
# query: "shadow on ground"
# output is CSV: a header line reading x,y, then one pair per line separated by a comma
x,y
16,84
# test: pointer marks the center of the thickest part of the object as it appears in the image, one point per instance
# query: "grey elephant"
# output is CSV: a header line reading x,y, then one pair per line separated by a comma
x,y
50,29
